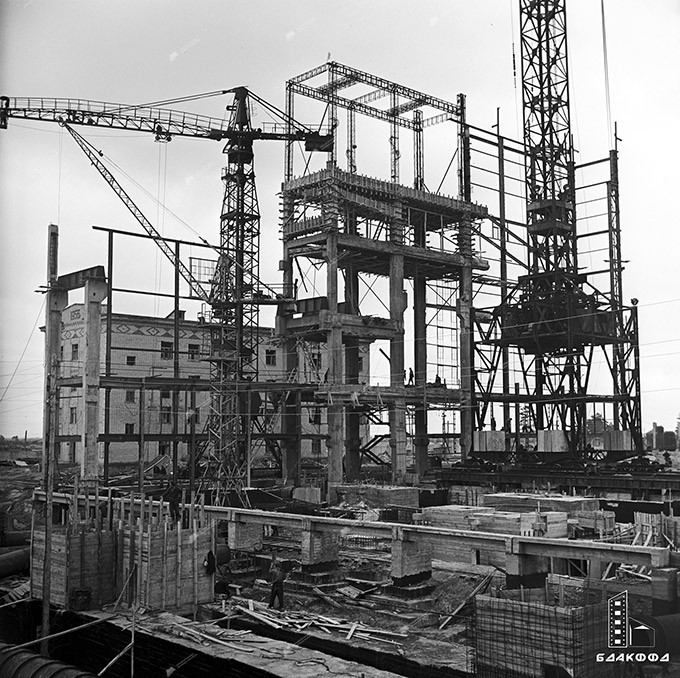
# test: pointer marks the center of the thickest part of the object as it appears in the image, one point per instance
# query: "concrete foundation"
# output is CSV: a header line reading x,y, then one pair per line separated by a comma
x,y
244,536
320,548
411,559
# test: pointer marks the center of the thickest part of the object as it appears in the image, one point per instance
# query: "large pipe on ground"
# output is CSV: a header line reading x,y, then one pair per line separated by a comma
x,y
15,538
15,562
666,631
16,663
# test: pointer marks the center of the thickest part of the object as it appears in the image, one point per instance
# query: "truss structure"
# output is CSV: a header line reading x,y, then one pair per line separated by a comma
x,y
558,322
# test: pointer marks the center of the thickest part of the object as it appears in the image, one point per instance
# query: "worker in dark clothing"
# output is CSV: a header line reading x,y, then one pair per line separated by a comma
x,y
173,496
278,576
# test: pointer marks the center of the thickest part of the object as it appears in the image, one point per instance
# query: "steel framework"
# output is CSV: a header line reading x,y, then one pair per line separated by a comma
x,y
557,320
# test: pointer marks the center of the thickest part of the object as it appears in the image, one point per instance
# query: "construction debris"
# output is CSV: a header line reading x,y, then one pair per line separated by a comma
x,y
298,621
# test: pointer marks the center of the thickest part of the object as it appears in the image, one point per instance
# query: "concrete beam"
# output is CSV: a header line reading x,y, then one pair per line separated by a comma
x,y
647,556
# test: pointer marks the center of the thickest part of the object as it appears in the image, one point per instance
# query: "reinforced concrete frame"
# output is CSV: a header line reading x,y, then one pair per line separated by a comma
x,y
358,230
547,307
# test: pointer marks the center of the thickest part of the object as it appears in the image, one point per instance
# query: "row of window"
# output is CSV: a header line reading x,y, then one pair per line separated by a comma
x,y
194,351
165,417
167,352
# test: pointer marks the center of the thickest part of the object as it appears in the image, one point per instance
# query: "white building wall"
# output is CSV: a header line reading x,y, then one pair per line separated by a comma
x,y
137,343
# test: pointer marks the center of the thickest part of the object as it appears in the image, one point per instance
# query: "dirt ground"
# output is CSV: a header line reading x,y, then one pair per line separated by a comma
x,y
425,642
16,492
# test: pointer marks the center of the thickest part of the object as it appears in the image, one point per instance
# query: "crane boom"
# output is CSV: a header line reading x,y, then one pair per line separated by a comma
x,y
195,286
163,123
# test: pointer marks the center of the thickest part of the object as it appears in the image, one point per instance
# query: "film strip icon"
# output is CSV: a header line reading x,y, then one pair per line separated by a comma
x,y
617,612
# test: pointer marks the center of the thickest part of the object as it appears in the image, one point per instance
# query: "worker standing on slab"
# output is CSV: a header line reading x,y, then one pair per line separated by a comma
x,y
278,576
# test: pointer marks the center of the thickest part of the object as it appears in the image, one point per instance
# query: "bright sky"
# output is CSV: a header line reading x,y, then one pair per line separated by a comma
x,y
136,51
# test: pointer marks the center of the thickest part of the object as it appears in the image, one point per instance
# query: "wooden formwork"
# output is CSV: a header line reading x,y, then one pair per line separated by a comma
x,y
82,566
164,560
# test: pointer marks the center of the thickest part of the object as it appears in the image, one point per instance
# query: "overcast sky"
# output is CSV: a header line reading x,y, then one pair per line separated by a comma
x,y
136,51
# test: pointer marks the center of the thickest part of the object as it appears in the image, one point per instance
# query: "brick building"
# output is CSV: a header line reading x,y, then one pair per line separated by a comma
x,y
144,347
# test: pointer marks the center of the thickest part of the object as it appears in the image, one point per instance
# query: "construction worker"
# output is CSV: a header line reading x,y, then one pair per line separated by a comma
x,y
278,576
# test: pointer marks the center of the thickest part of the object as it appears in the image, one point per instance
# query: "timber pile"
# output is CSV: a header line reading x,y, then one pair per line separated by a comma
x,y
515,501
378,496
545,524
308,622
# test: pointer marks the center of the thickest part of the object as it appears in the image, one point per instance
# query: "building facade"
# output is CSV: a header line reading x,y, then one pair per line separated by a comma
x,y
154,418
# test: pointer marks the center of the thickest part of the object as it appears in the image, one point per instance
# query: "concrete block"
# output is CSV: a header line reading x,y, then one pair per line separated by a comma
x,y
411,561
489,441
244,536
311,495
552,441
664,591
320,547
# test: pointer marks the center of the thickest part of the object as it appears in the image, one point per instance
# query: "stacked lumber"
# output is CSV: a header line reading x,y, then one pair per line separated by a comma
x,y
378,496
486,519
516,501
308,622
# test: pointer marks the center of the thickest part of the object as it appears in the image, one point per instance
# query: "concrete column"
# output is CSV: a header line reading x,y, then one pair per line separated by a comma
x,y
397,415
421,441
352,416
525,570
411,558
664,591
336,442
95,293
319,548
290,406
244,536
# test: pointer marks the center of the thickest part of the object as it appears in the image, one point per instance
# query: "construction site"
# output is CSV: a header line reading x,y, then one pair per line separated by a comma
x,y
234,488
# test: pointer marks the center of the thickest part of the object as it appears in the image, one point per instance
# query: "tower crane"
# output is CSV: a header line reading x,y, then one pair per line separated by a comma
x,y
555,316
236,291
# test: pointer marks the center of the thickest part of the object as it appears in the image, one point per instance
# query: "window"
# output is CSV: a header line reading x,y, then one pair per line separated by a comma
x,y
360,364
167,350
129,429
74,352
129,396
166,414
197,416
315,360
73,415
270,356
165,394
194,351
316,447
131,360
61,352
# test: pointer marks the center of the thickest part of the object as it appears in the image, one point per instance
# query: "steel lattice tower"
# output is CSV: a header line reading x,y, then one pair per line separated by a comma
x,y
235,315
555,317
